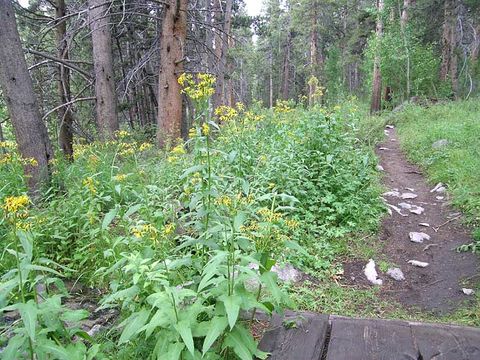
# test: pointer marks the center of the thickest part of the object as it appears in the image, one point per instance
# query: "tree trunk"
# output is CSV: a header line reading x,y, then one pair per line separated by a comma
x,y
106,106
375,105
65,116
449,65
286,66
30,131
172,42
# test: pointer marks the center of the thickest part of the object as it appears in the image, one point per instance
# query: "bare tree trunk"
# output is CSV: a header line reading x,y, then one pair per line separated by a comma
x,y
65,116
375,105
449,65
286,66
313,83
30,131
221,48
270,79
106,106
403,26
172,42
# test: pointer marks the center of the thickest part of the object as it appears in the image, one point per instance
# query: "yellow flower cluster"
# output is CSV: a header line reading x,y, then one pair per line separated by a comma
x,y
249,199
121,134
223,200
269,215
145,146
199,88
282,107
252,117
253,227
292,224
14,204
89,183
142,230
120,177
192,133
169,229
127,149
226,113
6,158
176,152
11,145
205,129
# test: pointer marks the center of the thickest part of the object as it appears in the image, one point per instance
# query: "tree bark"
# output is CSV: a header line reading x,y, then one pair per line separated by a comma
x,y
65,115
106,106
30,131
375,105
449,65
172,42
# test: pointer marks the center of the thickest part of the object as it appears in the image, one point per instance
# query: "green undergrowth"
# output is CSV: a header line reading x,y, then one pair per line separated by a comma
x,y
170,236
457,164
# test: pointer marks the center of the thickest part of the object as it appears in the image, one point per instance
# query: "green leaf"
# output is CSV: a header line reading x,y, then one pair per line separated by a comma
x,y
74,315
132,210
174,351
185,331
107,220
270,280
241,342
232,307
133,323
57,352
12,350
28,312
27,242
159,319
217,326
42,268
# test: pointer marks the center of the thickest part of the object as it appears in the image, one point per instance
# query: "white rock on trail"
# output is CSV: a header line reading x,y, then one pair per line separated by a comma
x,y
410,189
418,237
396,209
390,127
371,273
393,193
468,291
383,148
424,224
440,197
417,210
438,188
408,195
380,168
287,273
406,206
386,132
396,274
418,263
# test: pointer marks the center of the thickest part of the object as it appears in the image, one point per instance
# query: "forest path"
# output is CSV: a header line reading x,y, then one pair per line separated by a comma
x,y
438,286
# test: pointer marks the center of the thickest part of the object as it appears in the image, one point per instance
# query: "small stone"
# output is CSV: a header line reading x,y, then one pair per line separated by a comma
x,y
380,168
418,237
393,193
404,205
424,224
438,188
468,291
383,148
440,197
408,195
287,273
417,210
396,209
410,189
418,263
440,144
390,127
386,132
371,273
396,274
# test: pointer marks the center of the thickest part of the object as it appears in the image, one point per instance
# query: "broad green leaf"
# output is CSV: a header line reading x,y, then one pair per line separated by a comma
x,y
241,342
232,307
27,242
42,268
270,280
217,326
159,319
185,331
28,312
173,353
132,210
107,220
57,352
134,323
11,352
74,315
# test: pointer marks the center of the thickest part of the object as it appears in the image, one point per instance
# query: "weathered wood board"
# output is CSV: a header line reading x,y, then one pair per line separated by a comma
x,y
299,336
308,336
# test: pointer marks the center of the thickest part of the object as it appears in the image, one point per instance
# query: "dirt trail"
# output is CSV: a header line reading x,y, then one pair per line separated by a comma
x,y
437,287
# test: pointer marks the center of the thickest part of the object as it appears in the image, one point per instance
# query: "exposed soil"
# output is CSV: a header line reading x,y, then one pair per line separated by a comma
x,y
437,287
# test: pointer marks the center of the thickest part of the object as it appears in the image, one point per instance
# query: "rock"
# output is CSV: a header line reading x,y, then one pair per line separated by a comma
x,y
95,329
396,209
417,210
380,168
418,263
440,197
386,132
404,205
429,246
410,189
396,274
408,195
371,273
438,188
418,237
468,291
424,224
440,144
383,148
393,193
287,273
390,126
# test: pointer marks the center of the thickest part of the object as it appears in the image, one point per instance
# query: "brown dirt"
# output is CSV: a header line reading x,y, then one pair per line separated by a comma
x,y
438,287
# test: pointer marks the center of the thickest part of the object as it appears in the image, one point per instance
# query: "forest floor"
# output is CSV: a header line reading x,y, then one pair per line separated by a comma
x,y
436,288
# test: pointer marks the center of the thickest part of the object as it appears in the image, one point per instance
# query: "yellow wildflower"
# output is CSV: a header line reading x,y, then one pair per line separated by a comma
x,y
120,177
13,204
145,146
179,150
292,224
89,183
6,158
205,129
192,133
168,229
224,200
121,134
225,113
8,145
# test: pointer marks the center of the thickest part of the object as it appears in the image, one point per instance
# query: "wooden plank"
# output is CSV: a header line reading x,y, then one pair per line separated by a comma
x,y
360,339
297,336
444,342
